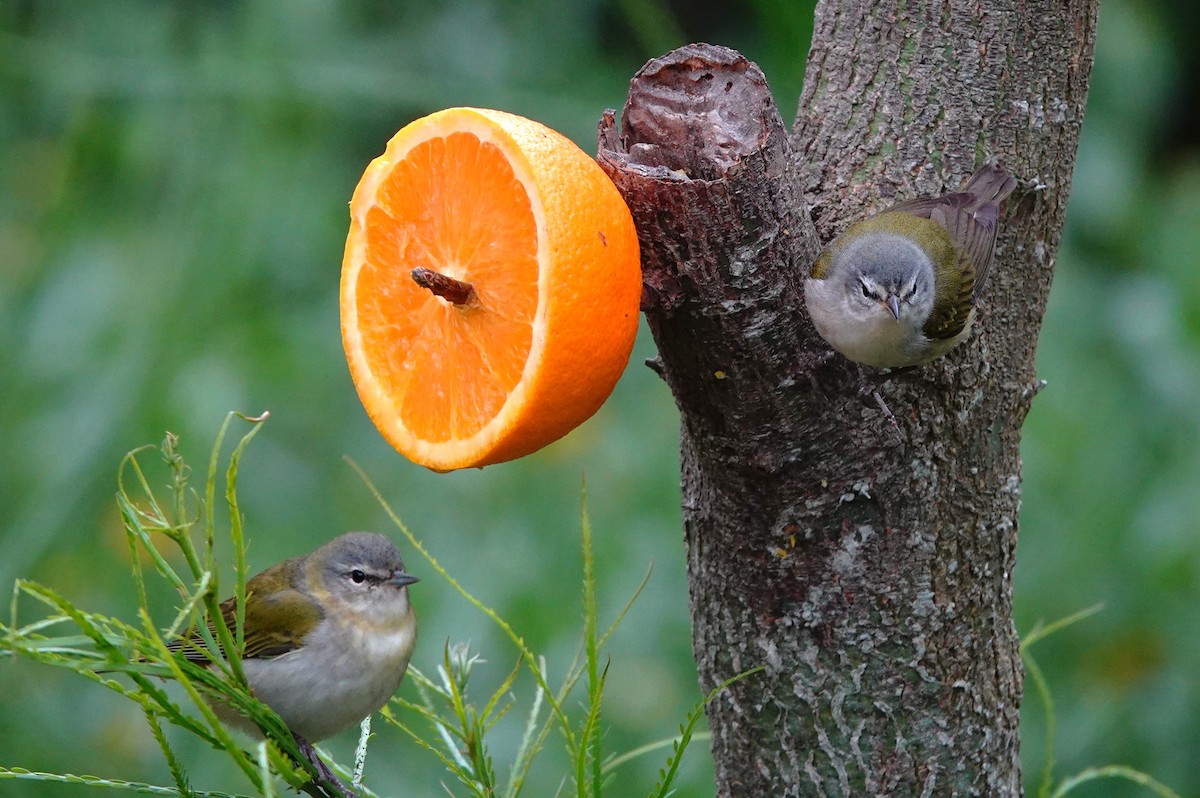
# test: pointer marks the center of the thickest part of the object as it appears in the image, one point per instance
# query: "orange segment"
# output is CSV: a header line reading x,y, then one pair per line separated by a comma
x,y
526,315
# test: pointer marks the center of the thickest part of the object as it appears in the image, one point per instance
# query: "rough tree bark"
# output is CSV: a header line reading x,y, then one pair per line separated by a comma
x,y
867,568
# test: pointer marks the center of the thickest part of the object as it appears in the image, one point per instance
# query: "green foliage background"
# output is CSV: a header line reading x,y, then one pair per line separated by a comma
x,y
173,180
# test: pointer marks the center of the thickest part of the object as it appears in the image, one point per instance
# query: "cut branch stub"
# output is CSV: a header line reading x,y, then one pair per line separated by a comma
x,y
454,291
702,159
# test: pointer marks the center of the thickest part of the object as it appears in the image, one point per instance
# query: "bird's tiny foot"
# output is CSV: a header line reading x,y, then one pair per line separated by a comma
x,y
868,386
887,413
869,383
324,774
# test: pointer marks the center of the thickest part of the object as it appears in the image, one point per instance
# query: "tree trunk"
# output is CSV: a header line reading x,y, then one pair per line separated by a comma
x,y
866,567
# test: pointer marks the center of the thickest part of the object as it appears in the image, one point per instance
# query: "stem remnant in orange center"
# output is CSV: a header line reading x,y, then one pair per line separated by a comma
x,y
449,289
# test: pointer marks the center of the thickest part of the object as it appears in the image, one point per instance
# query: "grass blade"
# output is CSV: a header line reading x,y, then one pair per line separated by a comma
x,y
1114,772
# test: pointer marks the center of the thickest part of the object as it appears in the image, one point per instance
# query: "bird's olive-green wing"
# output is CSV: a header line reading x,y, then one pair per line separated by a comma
x,y
974,232
279,623
821,266
971,216
278,618
954,298
973,229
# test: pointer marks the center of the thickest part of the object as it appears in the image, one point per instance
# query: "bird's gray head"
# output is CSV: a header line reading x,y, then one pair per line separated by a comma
x,y
364,569
884,273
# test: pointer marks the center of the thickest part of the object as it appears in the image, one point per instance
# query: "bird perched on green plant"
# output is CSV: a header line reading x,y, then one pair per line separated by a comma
x,y
328,637
899,288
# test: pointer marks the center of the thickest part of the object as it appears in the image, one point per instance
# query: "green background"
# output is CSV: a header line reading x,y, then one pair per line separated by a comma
x,y
173,188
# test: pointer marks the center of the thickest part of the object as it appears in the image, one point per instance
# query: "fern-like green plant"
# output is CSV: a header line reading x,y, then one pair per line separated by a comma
x,y
101,648
135,660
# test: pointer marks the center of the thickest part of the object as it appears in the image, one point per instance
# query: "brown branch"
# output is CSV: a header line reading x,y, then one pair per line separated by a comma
x,y
870,575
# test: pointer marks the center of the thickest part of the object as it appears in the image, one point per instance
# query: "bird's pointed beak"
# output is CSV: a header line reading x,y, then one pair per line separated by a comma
x,y
402,579
893,305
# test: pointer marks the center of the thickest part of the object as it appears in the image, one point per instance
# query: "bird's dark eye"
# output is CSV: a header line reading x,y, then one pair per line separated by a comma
x,y
867,292
358,576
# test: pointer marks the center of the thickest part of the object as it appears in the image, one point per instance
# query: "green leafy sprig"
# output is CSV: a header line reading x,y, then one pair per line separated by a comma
x,y
102,648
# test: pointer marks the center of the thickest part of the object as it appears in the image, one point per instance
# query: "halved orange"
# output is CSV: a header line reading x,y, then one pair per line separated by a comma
x,y
490,288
